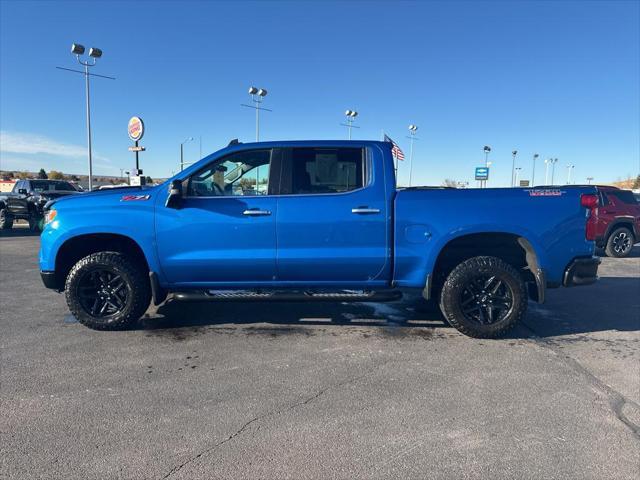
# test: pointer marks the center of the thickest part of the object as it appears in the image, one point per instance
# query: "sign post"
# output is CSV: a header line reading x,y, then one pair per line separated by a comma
x,y
482,174
136,132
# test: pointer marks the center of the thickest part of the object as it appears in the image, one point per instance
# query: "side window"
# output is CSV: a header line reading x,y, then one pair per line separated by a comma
x,y
326,170
624,196
239,174
17,186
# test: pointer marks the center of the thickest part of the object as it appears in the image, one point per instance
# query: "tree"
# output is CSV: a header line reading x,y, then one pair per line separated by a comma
x,y
636,182
55,175
42,174
448,182
23,175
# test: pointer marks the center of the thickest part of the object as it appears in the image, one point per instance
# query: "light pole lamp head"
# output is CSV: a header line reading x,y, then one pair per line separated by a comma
x,y
253,90
514,153
95,52
262,92
487,149
77,49
413,128
535,155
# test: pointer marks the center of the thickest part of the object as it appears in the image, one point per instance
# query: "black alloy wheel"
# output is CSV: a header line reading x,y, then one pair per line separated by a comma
x,y
102,292
486,299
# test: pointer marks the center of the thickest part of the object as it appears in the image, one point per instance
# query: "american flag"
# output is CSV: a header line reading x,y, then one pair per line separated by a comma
x,y
395,149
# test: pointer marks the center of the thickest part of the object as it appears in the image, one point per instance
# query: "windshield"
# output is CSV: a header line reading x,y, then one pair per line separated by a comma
x,y
47,186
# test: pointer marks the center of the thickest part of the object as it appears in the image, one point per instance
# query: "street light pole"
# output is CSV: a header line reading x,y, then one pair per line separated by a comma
x,y
412,134
182,152
553,169
94,53
569,168
513,168
351,117
257,97
533,170
486,149
589,179
517,175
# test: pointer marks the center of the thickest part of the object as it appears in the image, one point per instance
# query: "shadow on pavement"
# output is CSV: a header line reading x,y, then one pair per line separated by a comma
x,y
635,253
611,304
291,317
19,231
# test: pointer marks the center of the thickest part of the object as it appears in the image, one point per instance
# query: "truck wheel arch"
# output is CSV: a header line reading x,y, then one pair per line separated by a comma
x,y
514,249
75,248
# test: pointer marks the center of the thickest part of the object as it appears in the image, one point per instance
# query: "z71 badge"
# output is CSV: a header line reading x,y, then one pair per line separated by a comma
x,y
133,198
542,192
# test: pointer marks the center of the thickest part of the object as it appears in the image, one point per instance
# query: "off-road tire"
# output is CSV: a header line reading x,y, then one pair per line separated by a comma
x,y
136,281
6,220
462,276
612,248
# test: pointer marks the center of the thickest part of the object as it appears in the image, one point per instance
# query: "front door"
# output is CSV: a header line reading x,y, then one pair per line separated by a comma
x,y
224,231
333,226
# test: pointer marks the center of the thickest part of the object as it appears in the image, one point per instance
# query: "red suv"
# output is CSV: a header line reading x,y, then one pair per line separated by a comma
x,y
617,225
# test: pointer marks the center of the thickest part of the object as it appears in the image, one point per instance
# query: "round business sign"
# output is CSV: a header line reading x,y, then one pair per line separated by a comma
x,y
136,128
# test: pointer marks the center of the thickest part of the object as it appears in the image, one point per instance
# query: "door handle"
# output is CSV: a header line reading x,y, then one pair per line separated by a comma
x,y
256,213
365,210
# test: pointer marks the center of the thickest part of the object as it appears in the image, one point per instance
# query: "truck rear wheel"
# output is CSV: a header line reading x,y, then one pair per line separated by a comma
x,y
620,243
483,297
107,291
6,220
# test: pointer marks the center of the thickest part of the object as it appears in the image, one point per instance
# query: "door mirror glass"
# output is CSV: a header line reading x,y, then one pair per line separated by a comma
x,y
174,199
22,191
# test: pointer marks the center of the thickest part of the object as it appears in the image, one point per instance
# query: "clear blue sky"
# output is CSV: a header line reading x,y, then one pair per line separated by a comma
x,y
558,78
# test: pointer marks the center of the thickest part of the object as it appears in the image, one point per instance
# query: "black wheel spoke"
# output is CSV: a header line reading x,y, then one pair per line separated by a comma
x,y
102,292
486,299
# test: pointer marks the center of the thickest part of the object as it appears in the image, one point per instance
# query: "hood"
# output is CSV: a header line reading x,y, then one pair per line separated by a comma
x,y
99,197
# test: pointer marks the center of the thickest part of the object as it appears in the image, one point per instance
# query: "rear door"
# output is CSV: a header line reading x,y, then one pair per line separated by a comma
x,y
332,221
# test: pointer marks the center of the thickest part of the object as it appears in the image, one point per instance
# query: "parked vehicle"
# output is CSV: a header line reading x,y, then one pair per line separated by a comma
x,y
27,200
316,221
618,221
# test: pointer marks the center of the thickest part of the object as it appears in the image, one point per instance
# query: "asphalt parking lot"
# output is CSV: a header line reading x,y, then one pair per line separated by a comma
x,y
308,391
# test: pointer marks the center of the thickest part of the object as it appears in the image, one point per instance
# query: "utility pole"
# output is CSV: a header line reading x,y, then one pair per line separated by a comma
x,y
589,180
533,169
513,168
94,53
486,149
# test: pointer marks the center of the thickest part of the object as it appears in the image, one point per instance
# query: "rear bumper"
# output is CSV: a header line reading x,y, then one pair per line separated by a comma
x,y
581,271
50,280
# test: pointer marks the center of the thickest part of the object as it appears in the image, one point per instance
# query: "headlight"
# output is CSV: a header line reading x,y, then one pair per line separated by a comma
x,y
49,216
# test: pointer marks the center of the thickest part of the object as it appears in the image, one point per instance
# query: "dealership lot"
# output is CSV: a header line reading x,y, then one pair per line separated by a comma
x,y
317,390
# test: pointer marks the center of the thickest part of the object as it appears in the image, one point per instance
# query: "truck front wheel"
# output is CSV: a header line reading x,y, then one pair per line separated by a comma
x,y
107,291
6,221
483,297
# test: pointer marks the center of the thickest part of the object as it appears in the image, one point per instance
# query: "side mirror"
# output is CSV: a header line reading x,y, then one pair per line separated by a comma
x,y
174,199
22,191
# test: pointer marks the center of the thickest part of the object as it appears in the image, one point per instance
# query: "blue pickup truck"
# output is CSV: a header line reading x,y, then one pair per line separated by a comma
x,y
316,220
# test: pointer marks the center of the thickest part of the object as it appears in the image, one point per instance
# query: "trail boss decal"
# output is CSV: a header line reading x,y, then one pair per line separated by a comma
x,y
535,192
134,198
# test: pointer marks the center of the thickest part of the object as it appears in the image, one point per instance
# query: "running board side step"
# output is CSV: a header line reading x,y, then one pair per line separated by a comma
x,y
289,296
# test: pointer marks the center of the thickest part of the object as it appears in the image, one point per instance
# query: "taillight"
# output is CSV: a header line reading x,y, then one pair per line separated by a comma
x,y
590,202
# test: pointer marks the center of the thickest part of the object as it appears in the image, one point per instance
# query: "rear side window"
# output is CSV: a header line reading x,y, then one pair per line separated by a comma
x,y
624,196
324,170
